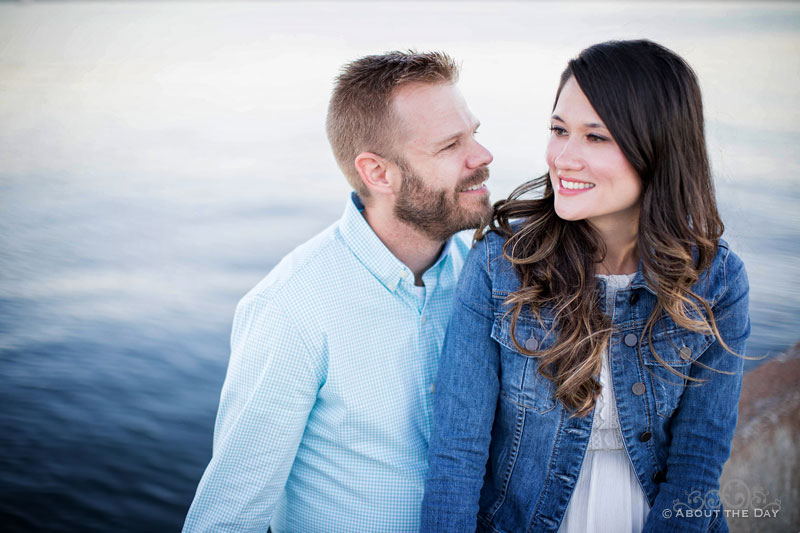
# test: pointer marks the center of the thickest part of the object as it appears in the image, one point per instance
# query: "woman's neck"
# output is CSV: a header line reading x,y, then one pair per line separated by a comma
x,y
622,261
622,256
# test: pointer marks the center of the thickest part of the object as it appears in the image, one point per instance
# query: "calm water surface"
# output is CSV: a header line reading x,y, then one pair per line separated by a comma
x,y
156,160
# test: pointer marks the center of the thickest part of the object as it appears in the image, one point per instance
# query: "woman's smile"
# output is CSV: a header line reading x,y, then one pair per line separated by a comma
x,y
572,186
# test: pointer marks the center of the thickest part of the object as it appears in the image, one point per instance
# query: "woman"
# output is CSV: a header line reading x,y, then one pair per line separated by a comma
x,y
589,378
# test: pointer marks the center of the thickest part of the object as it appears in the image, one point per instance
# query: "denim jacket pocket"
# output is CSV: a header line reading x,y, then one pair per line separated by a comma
x,y
678,348
520,380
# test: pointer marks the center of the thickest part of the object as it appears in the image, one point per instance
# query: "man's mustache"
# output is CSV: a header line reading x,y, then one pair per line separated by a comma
x,y
476,178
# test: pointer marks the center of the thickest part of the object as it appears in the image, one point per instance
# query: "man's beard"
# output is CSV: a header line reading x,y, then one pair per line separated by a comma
x,y
438,214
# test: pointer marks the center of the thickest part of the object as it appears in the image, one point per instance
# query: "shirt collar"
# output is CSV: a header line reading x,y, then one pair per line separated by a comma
x,y
371,251
637,282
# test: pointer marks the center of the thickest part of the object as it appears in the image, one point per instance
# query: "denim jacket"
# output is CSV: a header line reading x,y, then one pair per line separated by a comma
x,y
505,454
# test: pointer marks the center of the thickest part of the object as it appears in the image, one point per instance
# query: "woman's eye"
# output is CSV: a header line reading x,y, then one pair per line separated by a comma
x,y
592,137
558,130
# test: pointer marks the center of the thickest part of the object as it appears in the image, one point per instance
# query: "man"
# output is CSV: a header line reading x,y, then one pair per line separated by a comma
x,y
325,414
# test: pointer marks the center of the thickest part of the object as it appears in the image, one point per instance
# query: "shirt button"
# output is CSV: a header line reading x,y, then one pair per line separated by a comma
x,y
630,340
403,273
424,319
634,298
531,344
644,437
686,353
433,387
638,388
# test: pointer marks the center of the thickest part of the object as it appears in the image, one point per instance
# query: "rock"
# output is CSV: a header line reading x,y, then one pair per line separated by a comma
x,y
762,475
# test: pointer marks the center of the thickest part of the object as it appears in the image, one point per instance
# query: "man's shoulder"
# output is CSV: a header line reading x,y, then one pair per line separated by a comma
x,y
461,244
302,270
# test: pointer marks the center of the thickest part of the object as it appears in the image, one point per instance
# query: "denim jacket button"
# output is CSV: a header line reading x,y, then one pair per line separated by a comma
x,y
634,298
686,353
638,388
531,344
630,340
644,437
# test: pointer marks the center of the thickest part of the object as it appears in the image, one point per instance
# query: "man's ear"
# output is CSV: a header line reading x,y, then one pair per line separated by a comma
x,y
375,171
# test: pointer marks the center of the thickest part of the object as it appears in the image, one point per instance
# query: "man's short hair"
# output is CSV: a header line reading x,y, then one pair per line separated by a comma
x,y
360,117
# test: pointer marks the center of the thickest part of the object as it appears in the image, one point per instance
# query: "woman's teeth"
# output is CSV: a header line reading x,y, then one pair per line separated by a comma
x,y
576,185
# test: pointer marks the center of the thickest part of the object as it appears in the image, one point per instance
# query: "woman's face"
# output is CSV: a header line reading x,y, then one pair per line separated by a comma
x,y
590,176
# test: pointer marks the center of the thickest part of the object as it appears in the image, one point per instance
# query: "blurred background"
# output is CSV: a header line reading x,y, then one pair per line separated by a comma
x,y
158,158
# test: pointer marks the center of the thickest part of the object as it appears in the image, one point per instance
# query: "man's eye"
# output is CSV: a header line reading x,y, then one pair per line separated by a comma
x,y
450,146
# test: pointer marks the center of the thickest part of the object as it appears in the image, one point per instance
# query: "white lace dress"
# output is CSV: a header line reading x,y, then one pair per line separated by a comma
x,y
607,496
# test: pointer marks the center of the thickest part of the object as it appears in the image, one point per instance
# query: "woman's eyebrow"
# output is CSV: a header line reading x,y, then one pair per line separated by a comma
x,y
589,125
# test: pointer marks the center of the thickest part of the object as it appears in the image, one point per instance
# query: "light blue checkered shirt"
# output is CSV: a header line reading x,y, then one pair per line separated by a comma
x,y
325,414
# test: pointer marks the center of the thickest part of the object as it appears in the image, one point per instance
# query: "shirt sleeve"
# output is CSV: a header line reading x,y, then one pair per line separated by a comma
x,y
464,405
703,424
271,385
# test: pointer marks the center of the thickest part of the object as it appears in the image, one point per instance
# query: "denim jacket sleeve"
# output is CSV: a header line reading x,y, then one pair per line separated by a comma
x,y
702,426
464,404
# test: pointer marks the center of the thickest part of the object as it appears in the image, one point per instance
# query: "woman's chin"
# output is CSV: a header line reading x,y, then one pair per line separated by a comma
x,y
569,216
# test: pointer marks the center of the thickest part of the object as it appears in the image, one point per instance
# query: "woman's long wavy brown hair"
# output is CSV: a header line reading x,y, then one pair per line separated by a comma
x,y
649,100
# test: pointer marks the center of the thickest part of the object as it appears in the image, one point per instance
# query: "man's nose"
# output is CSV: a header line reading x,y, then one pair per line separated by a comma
x,y
479,157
